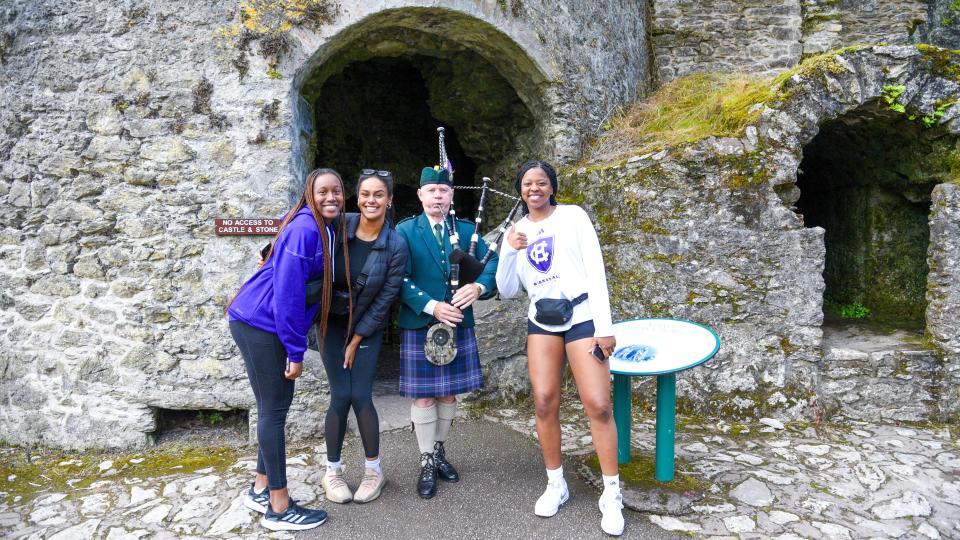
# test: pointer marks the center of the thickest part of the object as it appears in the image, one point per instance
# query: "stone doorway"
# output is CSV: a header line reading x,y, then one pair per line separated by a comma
x,y
376,100
867,180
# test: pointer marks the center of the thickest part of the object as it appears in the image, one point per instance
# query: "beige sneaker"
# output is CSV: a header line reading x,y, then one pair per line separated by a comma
x,y
370,486
335,487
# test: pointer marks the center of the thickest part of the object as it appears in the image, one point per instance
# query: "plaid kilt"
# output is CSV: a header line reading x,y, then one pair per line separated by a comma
x,y
420,379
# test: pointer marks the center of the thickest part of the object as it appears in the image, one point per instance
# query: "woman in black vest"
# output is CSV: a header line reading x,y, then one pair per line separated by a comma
x,y
367,278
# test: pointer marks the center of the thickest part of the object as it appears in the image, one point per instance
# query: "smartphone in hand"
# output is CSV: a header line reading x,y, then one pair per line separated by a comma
x,y
597,353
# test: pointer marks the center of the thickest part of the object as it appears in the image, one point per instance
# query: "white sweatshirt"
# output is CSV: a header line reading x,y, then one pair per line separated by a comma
x,y
562,260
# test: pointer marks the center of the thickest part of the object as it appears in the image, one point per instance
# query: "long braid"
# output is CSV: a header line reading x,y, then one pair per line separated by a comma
x,y
327,296
346,270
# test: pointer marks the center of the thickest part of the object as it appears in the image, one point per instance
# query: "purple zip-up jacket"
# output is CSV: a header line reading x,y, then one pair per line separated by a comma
x,y
274,298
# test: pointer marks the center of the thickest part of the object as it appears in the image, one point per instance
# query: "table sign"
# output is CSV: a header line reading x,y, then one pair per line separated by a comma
x,y
659,347
247,227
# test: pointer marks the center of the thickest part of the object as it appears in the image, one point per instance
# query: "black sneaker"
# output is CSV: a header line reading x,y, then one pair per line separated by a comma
x,y
295,518
257,501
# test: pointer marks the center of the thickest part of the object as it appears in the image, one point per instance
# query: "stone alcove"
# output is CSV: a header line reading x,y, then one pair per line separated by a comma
x,y
866,179
373,95
874,141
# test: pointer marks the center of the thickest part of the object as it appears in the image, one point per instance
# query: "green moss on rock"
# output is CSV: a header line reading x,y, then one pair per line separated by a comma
x,y
640,474
943,62
50,471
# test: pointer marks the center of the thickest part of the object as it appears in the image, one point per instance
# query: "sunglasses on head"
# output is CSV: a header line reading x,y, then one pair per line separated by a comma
x,y
374,172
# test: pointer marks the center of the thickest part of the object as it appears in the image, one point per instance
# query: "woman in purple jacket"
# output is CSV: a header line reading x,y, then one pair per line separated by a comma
x,y
269,320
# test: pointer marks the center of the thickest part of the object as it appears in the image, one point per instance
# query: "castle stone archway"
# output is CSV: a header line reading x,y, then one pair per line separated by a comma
x,y
374,93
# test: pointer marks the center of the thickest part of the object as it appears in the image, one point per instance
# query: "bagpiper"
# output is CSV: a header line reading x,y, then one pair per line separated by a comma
x,y
430,307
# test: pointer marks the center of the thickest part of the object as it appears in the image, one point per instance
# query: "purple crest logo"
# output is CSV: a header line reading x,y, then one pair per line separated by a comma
x,y
540,254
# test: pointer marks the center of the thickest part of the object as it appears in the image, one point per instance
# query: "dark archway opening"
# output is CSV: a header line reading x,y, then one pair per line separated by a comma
x,y
376,114
866,179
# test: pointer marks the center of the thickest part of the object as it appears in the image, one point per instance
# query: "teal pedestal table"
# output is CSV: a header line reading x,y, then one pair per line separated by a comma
x,y
660,348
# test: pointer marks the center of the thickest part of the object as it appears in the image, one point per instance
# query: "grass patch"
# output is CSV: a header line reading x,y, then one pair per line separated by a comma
x,y
639,474
704,105
685,110
55,472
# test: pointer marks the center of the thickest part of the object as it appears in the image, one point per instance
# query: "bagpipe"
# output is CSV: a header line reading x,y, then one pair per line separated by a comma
x,y
470,267
440,345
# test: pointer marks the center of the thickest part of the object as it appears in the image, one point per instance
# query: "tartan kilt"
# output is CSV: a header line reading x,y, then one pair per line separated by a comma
x,y
421,379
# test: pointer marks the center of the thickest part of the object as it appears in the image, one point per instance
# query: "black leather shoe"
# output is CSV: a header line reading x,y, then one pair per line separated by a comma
x,y
427,483
444,469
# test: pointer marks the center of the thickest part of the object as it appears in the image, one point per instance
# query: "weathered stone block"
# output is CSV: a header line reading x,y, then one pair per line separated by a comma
x,y
111,148
166,150
71,211
31,310
126,288
104,120
88,266
149,360
139,227
55,285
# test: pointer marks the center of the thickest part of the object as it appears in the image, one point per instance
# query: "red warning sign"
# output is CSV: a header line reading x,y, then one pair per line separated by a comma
x,y
247,227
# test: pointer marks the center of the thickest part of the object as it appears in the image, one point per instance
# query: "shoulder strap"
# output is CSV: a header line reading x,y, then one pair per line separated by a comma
x,y
361,281
579,299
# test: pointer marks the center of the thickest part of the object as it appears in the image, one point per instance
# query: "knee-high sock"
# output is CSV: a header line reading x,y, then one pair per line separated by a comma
x,y
425,426
445,414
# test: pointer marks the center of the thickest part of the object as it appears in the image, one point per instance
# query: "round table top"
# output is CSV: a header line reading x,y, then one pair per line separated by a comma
x,y
661,346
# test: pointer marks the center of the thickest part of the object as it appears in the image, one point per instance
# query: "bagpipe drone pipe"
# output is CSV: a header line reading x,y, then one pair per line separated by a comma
x,y
470,266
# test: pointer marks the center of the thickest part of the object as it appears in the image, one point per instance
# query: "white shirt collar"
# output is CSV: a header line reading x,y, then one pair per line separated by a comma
x,y
434,222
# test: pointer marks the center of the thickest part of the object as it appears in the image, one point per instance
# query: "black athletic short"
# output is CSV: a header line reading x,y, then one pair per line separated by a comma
x,y
578,331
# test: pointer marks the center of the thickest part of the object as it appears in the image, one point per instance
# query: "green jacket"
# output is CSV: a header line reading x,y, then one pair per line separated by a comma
x,y
427,276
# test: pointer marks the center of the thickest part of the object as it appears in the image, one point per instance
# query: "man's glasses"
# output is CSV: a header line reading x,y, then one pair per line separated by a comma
x,y
374,172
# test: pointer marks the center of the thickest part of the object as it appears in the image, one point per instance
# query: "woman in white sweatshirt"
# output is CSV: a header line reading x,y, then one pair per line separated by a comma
x,y
553,252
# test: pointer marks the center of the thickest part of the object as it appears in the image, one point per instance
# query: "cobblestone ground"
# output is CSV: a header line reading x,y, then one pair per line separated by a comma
x,y
762,480
770,480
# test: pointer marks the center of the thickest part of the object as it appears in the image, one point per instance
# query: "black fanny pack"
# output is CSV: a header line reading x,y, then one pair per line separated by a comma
x,y
556,311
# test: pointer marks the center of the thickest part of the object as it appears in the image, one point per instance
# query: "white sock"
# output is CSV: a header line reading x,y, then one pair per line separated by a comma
x,y
425,426
611,483
445,415
372,464
334,464
259,491
556,475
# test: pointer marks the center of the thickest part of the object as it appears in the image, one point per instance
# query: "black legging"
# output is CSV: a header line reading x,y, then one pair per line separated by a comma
x,y
266,361
351,387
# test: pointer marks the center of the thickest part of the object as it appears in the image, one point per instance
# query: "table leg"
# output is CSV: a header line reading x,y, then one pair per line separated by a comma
x,y
666,424
621,415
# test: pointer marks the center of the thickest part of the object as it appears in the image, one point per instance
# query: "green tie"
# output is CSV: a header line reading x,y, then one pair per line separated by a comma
x,y
438,232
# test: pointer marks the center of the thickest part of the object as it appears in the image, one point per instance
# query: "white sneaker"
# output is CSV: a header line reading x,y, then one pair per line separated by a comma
x,y
611,506
370,486
335,487
555,495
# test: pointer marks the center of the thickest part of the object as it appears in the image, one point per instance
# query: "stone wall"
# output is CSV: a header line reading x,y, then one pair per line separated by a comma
x,y
724,35
828,24
943,292
763,37
943,25
127,128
